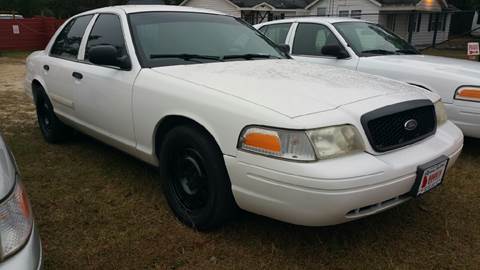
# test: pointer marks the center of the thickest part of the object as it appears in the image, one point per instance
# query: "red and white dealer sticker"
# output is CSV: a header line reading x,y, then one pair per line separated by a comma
x,y
431,177
473,49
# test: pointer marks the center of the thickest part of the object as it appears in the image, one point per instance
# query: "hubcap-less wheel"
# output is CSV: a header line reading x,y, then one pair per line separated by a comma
x,y
196,183
53,130
190,180
45,116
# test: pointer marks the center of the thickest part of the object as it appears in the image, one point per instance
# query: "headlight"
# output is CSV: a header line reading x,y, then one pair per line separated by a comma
x,y
440,113
468,93
301,145
336,141
287,144
15,221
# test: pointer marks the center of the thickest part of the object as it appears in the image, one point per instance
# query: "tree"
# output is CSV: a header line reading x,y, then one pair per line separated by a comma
x,y
57,8
25,7
62,8
465,4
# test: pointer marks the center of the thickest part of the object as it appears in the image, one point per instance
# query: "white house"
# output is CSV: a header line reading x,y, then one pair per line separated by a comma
x,y
420,16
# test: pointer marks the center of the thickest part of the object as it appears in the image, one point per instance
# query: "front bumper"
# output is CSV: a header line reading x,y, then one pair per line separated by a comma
x,y
466,115
29,257
338,190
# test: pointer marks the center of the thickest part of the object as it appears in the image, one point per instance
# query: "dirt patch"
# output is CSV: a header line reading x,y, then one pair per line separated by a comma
x,y
97,208
12,74
16,110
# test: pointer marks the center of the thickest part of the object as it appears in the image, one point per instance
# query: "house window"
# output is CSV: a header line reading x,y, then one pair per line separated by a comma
x,y
321,11
419,22
343,13
444,22
430,22
437,21
357,14
391,21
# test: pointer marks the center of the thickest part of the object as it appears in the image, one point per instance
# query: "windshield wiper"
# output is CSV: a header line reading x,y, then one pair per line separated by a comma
x,y
186,56
379,51
249,56
407,51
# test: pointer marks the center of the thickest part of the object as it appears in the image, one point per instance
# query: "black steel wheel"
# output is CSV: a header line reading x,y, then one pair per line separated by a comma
x,y
53,130
190,180
196,183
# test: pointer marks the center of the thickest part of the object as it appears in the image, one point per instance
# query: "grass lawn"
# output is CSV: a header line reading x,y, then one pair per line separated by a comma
x,y
98,208
15,54
460,54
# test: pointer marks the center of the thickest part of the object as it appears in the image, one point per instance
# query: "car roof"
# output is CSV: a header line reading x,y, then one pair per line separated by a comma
x,y
314,19
149,8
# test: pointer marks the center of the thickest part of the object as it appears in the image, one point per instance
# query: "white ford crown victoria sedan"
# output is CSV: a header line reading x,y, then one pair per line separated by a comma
x,y
369,48
232,121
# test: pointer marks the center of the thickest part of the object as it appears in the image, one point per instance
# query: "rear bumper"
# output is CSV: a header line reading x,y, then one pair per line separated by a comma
x,y
338,190
466,115
29,257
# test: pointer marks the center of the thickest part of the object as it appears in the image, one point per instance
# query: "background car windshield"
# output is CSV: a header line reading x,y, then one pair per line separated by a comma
x,y
164,34
368,39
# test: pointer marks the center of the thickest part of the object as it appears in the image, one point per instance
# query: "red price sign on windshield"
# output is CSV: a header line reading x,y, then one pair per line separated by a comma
x,y
473,48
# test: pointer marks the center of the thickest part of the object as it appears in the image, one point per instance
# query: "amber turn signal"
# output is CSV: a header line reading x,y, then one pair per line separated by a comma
x,y
468,93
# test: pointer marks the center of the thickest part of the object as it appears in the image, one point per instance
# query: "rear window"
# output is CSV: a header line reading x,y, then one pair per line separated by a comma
x,y
68,41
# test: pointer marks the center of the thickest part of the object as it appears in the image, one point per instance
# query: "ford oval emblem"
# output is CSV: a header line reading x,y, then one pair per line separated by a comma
x,y
410,125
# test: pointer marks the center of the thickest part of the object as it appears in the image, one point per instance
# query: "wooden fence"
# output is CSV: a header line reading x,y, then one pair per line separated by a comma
x,y
27,34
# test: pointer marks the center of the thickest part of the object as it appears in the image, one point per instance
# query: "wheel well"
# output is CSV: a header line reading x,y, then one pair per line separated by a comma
x,y
421,86
171,121
37,88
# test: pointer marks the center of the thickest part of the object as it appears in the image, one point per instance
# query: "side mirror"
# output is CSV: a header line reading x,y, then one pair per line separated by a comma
x,y
107,55
285,48
335,51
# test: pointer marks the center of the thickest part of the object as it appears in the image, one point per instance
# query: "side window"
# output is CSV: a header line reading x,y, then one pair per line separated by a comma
x,y
311,38
68,41
107,31
263,29
277,32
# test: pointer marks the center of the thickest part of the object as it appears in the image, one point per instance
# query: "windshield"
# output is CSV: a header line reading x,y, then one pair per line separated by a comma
x,y
179,38
368,39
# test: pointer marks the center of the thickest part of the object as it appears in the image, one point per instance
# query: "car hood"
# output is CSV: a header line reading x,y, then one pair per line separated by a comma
x,y
289,87
7,170
450,66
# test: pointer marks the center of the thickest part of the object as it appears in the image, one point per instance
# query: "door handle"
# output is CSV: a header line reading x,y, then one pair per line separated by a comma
x,y
46,67
77,75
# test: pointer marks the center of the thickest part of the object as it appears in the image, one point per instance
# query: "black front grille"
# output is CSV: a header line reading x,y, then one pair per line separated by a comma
x,y
388,128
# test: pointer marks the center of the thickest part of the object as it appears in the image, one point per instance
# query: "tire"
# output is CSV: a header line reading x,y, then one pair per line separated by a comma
x,y
195,179
53,130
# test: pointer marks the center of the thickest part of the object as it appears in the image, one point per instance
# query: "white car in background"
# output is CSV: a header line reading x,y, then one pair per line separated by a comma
x,y
10,16
231,120
367,47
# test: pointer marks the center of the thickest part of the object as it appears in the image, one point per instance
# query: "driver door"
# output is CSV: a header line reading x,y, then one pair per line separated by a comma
x,y
307,42
104,93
